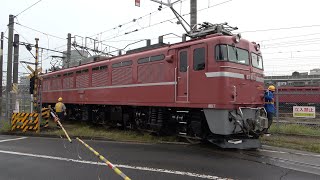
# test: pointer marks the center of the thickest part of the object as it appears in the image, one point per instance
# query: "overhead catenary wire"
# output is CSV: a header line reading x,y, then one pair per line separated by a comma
x,y
274,39
161,22
28,8
282,28
47,34
131,21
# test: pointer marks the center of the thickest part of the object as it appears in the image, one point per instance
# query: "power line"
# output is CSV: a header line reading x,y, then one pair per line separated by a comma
x,y
288,37
131,21
299,51
292,42
28,8
40,31
300,44
21,36
283,28
168,20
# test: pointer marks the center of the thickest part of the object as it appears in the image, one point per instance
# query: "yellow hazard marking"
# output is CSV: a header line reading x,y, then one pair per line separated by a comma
x,y
29,121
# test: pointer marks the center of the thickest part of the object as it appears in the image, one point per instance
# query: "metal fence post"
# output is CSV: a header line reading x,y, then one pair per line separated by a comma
x,y
277,107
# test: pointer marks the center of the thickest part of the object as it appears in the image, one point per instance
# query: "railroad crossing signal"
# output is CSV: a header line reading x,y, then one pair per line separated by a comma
x,y
33,72
32,78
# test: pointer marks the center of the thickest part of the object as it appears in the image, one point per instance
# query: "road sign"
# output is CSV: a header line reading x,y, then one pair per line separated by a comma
x,y
304,111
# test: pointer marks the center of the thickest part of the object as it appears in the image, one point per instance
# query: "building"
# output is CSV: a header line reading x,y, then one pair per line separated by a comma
x,y
296,79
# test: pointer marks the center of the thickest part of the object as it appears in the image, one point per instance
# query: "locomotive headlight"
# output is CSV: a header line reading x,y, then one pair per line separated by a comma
x,y
257,47
236,38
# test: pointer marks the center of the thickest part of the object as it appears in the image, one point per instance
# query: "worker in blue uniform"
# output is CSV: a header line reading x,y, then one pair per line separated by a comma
x,y
269,106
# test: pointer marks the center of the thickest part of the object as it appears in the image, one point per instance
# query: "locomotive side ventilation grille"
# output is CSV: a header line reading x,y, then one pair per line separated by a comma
x,y
100,78
56,84
46,85
148,73
122,76
82,81
68,83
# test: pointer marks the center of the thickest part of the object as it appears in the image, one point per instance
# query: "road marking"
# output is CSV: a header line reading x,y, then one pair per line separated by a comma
x,y
15,139
118,165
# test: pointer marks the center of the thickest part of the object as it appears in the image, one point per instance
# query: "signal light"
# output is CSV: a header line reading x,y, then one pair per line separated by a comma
x,y
31,88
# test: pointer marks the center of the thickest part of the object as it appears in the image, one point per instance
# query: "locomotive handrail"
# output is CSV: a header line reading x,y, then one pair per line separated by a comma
x,y
175,84
188,83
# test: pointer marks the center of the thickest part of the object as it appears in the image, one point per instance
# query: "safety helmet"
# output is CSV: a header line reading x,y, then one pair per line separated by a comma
x,y
60,99
271,88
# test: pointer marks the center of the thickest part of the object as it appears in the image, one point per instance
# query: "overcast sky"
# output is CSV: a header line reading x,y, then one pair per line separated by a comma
x,y
284,51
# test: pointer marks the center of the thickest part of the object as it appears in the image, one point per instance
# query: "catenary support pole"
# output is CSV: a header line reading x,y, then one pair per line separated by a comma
x,y
1,70
67,62
9,66
193,14
15,69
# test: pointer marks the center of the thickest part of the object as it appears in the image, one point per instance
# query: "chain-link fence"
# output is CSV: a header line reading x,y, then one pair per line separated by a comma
x,y
297,111
15,101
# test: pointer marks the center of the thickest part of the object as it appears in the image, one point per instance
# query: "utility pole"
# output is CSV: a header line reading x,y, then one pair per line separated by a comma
x,y
68,51
15,70
9,64
193,14
1,71
16,58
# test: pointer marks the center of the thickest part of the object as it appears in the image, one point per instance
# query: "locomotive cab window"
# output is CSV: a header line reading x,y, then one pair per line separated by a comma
x,y
231,53
221,52
199,60
256,61
238,55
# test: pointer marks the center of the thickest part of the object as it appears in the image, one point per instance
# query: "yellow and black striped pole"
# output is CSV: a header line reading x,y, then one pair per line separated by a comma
x,y
125,177
57,120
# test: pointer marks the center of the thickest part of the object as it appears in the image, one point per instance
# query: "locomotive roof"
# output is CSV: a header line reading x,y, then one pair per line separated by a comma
x,y
146,51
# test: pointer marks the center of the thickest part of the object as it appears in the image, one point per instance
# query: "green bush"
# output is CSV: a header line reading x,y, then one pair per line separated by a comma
x,y
5,126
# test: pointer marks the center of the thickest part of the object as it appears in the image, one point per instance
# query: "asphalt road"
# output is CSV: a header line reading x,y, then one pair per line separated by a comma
x,y
49,158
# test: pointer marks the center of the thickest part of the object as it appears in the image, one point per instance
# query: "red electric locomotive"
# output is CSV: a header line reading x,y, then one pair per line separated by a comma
x,y
209,87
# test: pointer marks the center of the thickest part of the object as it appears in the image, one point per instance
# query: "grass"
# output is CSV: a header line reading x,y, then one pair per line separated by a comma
x,y
305,143
295,129
311,144
5,126
87,130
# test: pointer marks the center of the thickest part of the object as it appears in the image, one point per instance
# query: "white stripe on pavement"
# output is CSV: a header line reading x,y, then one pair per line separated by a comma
x,y
5,140
117,165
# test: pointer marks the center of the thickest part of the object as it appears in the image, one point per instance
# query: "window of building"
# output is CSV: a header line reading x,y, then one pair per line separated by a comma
x,y
183,61
199,60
